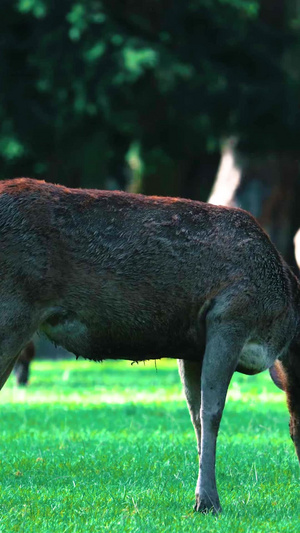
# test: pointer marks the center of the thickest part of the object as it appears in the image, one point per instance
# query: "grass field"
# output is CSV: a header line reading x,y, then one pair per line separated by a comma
x,y
110,447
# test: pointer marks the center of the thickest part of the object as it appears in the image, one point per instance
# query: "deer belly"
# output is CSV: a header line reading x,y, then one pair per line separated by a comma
x,y
96,342
72,335
255,358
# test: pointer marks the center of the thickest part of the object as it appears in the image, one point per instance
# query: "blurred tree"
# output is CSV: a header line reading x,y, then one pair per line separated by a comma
x,y
264,178
82,80
55,117
268,186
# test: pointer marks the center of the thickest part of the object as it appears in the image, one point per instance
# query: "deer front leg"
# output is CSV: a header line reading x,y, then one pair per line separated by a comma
x,y
17,325
223,346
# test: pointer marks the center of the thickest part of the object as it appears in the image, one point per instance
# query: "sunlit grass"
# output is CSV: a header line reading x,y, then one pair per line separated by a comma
x,y
110,447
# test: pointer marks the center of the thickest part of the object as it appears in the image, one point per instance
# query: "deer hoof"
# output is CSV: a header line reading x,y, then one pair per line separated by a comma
x,y
207,505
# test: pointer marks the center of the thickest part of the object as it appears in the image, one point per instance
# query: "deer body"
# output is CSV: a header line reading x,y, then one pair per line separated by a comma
x,y
112,275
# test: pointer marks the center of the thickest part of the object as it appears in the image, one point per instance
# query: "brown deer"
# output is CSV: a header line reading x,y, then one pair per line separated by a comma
x,y
110,275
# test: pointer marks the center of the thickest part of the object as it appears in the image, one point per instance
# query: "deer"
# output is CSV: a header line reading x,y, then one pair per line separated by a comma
x,y
114,275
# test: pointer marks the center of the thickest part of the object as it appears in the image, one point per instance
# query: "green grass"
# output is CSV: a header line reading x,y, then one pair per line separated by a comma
x,y
110,447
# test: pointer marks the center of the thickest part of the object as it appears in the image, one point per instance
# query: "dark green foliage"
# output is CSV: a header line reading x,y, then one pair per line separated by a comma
x,y
82,80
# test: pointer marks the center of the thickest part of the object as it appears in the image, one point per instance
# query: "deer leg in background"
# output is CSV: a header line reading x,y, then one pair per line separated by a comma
x,y
22,366
190,374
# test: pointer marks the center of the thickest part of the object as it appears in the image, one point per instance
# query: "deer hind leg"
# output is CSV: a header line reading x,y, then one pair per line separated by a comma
x,y
223,346
288,378
190,374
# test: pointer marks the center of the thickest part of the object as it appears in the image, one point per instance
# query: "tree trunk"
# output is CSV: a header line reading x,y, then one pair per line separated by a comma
x,y
269,187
